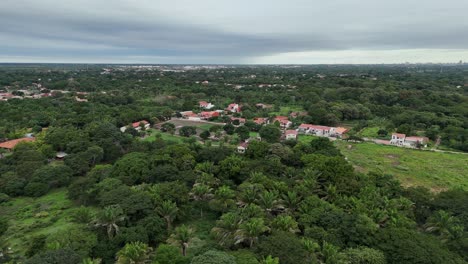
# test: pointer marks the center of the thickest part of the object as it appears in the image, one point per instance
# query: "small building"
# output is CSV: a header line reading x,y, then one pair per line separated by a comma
x,y
207,115
290,135
338,131
415,142
261,120
11,144
205,105
60,155
137,126
233,108
283,121
398,139
189,115
240,119
321,131
242,147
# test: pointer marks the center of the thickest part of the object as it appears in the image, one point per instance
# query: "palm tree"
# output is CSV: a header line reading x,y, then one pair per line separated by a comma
x,y
133,253
268,200
182,238
168,210
286,223
201,193
270,260
224,198
250,231
226,228
291,200
444,224
248,193
109,217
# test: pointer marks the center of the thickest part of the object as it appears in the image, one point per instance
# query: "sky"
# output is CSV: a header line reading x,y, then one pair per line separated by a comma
x,y
234,31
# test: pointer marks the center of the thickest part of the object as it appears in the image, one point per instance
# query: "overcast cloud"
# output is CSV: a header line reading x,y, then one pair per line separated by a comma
x,y
240,31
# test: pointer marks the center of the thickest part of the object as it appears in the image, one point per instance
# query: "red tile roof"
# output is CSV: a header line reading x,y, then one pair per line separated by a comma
x,y
291,132
137,124
399,135
12,143
316,127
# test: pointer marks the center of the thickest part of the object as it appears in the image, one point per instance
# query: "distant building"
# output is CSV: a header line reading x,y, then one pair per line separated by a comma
x,y
261,120
241,120
137,126
290,134
321,131
206,105
10,144
207,115
283,121
233,108
399,139
242,147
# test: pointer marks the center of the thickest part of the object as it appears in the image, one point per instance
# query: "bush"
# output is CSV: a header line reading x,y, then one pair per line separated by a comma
x,y
214,257
4,198
36,189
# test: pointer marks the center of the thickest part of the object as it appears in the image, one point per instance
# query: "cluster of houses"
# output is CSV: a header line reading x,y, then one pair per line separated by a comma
x,y
399,139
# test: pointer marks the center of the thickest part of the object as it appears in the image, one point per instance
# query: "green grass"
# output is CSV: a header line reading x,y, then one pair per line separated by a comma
x,y
205,126
434,170
24,219
164,136
369,132
253,134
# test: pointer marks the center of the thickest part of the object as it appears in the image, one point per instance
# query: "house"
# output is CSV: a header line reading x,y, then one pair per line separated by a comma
x,y
290,134
283,120
242,147
189,115
10,144
241,120
233,108
411,142
205,82
205,105
338,131
263,106
136,126
321,131
261,120
398,139
416,142
207,115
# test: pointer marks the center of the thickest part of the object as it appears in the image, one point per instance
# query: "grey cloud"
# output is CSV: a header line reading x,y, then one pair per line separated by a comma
x,y
229,33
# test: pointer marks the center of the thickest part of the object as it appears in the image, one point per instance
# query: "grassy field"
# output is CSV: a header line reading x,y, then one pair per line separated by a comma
x,y
29,217
434,170
164,136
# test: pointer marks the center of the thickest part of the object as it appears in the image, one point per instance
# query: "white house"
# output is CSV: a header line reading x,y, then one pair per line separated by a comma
x,y
137,126
321,131
233,108
242,147
205,105
398,139
411,142
291,134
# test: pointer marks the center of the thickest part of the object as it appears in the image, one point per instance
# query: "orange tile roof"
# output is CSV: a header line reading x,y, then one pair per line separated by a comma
x,y
12,143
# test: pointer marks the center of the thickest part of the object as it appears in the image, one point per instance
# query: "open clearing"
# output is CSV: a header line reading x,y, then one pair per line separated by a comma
x,y
35,216
434,170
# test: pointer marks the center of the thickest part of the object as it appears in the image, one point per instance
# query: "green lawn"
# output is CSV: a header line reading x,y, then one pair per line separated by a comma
x,y
34,216
369,132
164,136
434,170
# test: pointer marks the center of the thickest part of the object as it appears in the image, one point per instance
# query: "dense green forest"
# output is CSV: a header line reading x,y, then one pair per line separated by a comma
x,y
173,194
